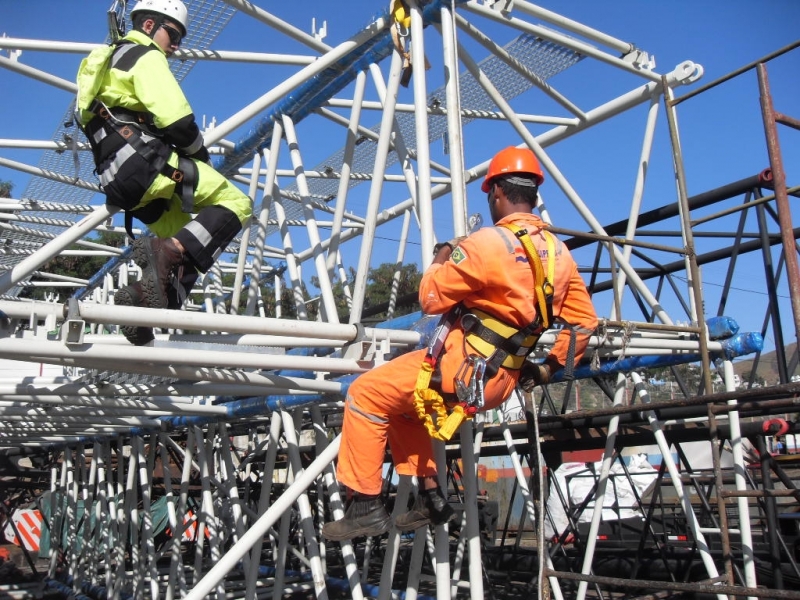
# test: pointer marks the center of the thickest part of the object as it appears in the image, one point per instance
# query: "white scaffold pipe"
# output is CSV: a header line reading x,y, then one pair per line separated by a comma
x,y
86,355
27,266
228,561
175,393
179,319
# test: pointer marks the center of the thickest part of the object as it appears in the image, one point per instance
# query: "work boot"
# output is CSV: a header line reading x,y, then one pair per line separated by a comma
x,y
131,295
430,506
159,260
366,516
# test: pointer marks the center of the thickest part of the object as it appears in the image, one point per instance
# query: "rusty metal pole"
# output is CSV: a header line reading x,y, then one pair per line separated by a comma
x,y
781,197
693,270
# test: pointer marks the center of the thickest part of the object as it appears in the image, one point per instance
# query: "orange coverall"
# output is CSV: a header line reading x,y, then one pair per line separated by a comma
x,y
491,272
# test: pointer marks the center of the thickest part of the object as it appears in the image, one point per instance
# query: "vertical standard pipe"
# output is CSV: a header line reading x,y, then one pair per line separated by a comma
x,y
685,500
771,513
605,468
693,270
636,204
401,252
455,140
240,265
303,503
373,203
263,503
748,555
148,546
773,309
286,237
336,504
326,289
270,188
344,176
471,505
424,200
781,196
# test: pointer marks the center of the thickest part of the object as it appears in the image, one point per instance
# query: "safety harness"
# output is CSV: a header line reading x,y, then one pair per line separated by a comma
x,y
497,344
129,154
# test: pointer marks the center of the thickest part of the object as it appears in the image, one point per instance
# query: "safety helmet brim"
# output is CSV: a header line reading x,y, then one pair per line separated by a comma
x,y
513,161
174,10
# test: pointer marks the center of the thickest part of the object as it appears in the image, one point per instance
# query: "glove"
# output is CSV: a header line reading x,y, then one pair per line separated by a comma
x,y
452,243
533,374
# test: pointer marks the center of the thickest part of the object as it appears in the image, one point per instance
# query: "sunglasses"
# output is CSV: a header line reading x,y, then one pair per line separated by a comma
x,y
175,36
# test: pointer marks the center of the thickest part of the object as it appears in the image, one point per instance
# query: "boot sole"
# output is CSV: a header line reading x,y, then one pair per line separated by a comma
x,y
143,256
362,532
138,336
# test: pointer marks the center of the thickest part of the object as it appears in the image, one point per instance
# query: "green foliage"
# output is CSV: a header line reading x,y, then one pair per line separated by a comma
x,y
379,290
6,187
82,267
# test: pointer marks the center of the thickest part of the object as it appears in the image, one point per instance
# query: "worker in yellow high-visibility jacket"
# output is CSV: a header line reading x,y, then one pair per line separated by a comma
x,y
151,161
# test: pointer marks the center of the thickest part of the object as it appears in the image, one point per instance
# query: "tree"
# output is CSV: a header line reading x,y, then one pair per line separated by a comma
x,y
6,187
380,281
81,267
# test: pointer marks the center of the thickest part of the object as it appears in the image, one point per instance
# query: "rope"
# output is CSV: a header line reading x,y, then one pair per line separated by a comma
x,y
428,401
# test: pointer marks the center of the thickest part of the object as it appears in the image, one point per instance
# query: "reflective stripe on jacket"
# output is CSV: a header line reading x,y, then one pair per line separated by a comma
x,y
489,270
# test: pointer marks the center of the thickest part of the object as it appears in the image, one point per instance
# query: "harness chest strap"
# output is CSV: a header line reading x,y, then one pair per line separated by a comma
x,y
504,345
185,176
542,286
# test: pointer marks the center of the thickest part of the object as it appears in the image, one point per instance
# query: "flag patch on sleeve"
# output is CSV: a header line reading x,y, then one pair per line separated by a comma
x,y
458,255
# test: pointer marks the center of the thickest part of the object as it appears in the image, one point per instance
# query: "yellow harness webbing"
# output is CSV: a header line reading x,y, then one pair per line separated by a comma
x,y
542,286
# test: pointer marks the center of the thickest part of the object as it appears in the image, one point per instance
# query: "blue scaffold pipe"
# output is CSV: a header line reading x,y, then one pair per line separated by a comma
x,y
735,346
732,347
721,328
97,279
313,94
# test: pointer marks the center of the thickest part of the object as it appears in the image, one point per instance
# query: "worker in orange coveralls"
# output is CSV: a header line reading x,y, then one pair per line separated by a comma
x,y
488,276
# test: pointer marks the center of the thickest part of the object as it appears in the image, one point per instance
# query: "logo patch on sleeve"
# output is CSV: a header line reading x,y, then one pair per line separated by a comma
x,y
458,255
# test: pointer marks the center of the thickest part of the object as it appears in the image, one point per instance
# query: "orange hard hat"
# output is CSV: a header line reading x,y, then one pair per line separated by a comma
x,y
513,160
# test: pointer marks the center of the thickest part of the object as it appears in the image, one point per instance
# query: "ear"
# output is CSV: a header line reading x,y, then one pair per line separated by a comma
x,y
148,25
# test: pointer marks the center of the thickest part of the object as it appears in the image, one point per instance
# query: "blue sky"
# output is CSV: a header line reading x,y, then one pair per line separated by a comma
x,y
722,135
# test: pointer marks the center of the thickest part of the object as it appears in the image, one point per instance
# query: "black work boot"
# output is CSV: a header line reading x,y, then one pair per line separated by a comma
x,y
131,295
430,506
366,516
159,260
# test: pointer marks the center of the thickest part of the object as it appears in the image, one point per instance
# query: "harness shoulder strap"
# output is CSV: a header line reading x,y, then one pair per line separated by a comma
x,y
542,284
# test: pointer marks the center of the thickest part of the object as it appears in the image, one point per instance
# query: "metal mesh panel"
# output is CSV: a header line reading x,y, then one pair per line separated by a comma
x,y
541,57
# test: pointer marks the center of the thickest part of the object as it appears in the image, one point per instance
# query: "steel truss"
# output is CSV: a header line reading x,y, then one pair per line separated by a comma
x,y
203,465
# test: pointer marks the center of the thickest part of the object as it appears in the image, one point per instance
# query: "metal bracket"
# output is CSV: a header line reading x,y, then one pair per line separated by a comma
x,y
72,332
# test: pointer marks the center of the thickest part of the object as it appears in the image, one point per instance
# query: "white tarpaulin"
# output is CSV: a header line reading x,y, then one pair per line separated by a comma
x,y
577,481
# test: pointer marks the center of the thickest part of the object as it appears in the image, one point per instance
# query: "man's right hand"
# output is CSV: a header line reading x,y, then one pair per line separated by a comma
x,y
533,374
451,243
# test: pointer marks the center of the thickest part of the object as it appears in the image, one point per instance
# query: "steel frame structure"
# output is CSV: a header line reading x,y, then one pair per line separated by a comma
x,y
224,431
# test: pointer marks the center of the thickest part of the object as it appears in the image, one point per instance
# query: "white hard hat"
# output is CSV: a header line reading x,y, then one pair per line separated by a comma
x,y
174,9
